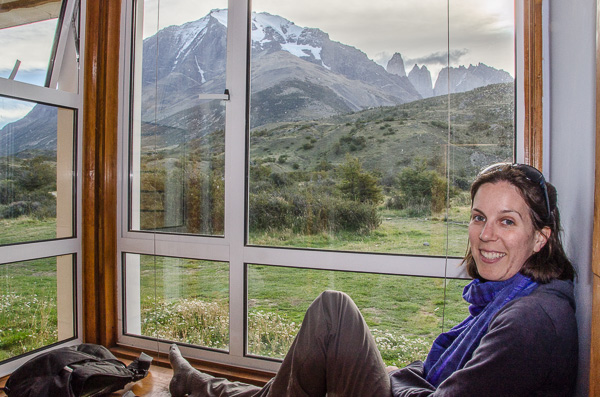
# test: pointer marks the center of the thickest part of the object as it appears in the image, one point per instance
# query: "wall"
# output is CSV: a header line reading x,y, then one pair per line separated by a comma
x,y
572,138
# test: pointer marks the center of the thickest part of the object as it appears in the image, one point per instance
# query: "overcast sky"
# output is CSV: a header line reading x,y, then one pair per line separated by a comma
x,y
479,31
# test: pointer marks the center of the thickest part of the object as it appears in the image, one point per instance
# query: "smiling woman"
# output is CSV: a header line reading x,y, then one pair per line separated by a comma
x,y
501,232
527,207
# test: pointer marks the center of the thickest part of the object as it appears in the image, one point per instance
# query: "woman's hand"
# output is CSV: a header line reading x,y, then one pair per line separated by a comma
x,y
390,368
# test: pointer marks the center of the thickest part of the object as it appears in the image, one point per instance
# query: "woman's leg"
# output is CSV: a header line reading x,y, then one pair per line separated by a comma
x,y
187,381
333,353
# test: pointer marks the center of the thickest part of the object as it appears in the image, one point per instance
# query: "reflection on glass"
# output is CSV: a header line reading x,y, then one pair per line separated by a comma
x,y
404,313
179,300
36,304
36,173
178,131
355,142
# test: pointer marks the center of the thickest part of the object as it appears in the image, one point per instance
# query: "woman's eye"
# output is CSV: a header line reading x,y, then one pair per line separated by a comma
x,y
478,218
508,222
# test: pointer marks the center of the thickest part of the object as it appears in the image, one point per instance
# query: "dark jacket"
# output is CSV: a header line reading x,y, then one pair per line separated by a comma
x,y
530,349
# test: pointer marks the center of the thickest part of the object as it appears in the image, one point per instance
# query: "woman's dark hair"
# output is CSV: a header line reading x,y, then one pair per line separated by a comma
x,y
550,262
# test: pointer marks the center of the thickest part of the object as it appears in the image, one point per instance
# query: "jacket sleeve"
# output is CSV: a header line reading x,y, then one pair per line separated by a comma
x,y
512,359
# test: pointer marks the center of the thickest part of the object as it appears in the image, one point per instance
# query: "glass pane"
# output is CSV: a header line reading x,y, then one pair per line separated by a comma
x,y
481,119
27,37
353,142
404,313
176,299
178,135
36,304
36,172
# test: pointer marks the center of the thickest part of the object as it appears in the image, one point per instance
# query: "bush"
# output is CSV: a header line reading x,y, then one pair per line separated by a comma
x,y
309,212
358,184
423,190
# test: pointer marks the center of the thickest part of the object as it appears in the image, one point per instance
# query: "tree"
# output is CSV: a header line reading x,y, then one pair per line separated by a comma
x,y
357,184
421,186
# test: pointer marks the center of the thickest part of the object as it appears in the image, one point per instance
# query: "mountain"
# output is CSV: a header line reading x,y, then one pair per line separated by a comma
x,y
396,65
297,74
464,79
34,132
421,80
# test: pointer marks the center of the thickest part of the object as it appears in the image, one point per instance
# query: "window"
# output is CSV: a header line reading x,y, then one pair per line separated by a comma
x,y
288,150
40,108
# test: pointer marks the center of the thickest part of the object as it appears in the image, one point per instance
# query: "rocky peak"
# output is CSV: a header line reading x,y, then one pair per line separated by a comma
x,y
420,78
464,79
396,65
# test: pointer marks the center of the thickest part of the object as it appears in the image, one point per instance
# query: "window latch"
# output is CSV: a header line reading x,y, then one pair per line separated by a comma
x,y
224,96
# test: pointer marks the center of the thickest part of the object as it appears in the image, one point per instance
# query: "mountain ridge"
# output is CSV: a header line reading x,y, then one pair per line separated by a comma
x,y
297,74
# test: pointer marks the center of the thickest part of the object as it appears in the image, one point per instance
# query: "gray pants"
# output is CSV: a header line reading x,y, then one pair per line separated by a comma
x,y
333,354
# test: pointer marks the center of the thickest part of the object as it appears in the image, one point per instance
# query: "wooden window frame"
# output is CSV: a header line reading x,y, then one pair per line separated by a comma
x,y
594,379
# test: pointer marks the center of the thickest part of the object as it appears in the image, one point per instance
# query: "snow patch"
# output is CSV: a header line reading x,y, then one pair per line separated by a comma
x,y
202,79
300,50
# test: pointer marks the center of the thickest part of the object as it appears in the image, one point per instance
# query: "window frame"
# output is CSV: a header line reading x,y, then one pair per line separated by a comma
x,y
233,247
69,96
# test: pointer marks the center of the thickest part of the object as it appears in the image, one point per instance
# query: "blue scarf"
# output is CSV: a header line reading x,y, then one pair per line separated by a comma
x,y
451,350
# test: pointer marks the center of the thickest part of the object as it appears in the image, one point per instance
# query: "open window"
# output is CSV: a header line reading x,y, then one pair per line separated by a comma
x,y
40,123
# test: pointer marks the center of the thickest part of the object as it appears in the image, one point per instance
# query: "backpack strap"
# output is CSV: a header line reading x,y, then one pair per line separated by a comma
x,y
140,366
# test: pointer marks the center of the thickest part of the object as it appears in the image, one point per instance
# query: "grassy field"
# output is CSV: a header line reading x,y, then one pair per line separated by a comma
x,y
28,318
25,229
396,234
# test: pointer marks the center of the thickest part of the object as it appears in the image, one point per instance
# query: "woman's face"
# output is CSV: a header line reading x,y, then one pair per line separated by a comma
x,y
501,231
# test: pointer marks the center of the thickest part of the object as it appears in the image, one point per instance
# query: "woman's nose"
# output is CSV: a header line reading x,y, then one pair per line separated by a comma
x,y
488,232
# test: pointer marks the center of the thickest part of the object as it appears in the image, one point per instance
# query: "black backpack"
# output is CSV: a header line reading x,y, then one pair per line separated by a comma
x,y
86,370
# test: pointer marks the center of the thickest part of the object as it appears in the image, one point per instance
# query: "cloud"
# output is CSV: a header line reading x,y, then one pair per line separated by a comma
x,y
13,110
31,44
438,58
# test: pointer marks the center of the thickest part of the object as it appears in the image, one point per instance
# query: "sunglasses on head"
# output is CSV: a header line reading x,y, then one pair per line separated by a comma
x,y
531,173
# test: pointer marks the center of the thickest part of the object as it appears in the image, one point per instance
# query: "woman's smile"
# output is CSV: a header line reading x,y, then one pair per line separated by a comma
x,y
490,256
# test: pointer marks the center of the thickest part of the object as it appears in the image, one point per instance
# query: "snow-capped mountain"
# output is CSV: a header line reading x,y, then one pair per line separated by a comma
x,y
297,73
300,68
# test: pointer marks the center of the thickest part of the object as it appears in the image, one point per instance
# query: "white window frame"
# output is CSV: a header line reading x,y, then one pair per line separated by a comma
x,y
69,96
232,247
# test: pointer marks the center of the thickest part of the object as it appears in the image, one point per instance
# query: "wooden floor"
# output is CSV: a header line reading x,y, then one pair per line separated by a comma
x,y
156,383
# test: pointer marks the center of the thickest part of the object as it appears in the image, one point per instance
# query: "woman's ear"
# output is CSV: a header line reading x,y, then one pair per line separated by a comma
x,y
541,238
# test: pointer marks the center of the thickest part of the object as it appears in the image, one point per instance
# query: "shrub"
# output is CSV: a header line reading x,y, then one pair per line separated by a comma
x,y
357,184
421,189
309,212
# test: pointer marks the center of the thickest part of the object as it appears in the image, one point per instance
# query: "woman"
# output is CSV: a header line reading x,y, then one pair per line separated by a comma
x,y
520,338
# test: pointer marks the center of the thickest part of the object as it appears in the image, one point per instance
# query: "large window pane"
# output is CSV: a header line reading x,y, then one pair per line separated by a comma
x,y
366,127
36,172
178,131
404,313
176,299
36,304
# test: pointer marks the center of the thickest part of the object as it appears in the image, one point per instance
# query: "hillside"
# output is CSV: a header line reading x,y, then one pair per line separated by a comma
x,y
386,139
